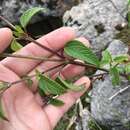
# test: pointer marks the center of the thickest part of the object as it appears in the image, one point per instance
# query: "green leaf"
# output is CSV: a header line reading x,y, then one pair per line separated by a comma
x,y
49,86
115,76
27,15
69,85
41,92
78,50
106,58
2,115
121,58
56,102
19,29
15,46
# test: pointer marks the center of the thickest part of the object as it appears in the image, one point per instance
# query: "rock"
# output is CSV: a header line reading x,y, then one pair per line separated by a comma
x,y
113,114
96,20
12,9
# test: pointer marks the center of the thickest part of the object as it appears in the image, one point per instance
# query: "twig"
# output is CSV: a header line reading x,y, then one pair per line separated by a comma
x,y
26,78
29,57
7,22
87,65
42,46
119,92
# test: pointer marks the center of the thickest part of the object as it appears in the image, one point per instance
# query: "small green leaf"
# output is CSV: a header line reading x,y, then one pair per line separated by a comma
x,y
106,58
69,85
19,29
78,50
2,115
56,102
27,15
50,86
115,76
15,46
120,59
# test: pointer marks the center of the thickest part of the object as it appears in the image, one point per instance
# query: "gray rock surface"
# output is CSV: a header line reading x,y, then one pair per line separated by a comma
x,y
96,20
86,117
12,9
115,113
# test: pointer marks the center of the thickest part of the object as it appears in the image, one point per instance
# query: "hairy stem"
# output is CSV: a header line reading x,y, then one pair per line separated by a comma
x,y
29,77
4,55
7,22
28,38
88,65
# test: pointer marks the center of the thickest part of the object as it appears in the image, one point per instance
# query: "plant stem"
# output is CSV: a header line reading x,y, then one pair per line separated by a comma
x,y
87,65
42,46
7,22
28,38
30,57
29,77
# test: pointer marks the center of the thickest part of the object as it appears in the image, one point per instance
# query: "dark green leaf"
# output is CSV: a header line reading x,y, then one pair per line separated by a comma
x,y
69,85
2,115
41,92
49,86
106,58
27,15
78,50
115,76
56,102
15,46
120,59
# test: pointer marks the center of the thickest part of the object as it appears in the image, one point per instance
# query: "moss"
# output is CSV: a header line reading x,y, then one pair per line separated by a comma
x,y
124,35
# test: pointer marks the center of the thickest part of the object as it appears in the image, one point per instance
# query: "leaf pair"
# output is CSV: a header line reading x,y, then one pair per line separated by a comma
x,y
49,87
